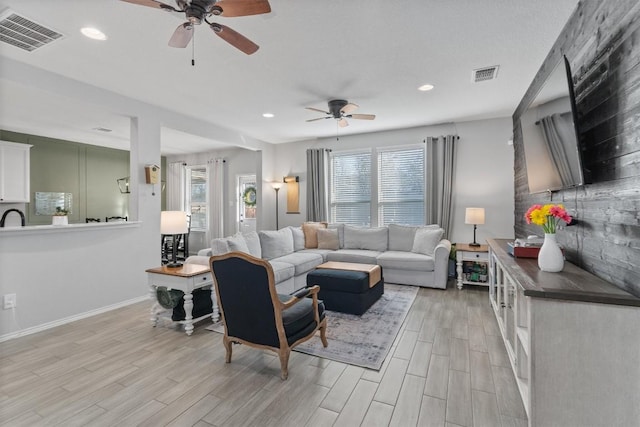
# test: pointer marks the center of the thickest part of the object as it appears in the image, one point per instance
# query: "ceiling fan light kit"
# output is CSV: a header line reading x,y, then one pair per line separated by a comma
x,y
341,110
197,11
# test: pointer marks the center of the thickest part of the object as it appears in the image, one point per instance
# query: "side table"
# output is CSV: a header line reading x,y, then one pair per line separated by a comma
x,y
476,259
185,278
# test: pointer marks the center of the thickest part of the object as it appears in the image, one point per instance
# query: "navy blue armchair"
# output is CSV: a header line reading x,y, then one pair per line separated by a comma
x,y
256,315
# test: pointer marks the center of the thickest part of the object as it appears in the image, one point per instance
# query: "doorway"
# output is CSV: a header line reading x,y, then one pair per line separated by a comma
x,y
247,203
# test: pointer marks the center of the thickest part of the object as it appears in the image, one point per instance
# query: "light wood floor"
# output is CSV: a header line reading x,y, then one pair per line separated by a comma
x,y
448,367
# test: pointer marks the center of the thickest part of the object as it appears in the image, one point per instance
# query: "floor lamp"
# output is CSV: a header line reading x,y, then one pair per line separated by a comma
x,y
474,216
276,186
173,223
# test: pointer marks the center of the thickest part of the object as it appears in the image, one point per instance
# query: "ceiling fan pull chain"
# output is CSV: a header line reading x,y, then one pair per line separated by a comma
x,y
193,50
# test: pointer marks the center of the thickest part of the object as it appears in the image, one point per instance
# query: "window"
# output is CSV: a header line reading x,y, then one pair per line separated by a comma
x,y
196,196
386,185
401,186
350,190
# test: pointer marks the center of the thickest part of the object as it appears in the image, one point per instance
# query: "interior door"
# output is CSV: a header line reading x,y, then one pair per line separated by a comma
x,y
247,202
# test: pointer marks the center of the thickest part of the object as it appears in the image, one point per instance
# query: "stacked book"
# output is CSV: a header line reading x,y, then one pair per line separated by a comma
x,y
526,248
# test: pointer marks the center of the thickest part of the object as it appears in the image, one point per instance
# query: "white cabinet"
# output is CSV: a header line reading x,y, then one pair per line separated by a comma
x,y
573,341
14,172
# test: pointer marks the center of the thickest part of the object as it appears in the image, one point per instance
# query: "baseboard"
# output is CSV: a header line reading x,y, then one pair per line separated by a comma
x,y
49,325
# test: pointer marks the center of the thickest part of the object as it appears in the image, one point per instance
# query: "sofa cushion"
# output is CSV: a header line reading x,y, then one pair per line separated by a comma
x,y
402,260
252,240
302,262
328,239
219,246
322,252
237,243
310,230
298,238
340,228
276,243
426,240
401,237
361,256
282,271
373,239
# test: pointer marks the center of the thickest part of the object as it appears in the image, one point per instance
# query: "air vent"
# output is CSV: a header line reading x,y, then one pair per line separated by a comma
x,y
484,74
24,33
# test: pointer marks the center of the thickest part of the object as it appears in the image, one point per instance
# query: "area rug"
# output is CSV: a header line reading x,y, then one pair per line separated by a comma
x,y
361,340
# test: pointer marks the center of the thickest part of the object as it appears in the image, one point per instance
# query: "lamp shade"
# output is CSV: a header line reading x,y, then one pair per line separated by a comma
x,y
276,185
474,216
173,222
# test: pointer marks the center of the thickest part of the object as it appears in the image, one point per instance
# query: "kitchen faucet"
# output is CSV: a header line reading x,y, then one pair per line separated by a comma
x,y
4,216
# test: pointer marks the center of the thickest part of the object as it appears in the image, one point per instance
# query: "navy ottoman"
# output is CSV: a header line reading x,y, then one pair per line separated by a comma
x,y
346,287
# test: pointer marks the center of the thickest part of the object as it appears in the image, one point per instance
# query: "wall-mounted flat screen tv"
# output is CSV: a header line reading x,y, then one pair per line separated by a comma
x,y
550,137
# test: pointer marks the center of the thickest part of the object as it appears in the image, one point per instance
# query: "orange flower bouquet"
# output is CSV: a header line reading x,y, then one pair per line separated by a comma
x,y
547,216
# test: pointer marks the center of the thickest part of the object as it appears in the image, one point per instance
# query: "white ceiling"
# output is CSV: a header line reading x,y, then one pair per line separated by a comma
x,y
371,52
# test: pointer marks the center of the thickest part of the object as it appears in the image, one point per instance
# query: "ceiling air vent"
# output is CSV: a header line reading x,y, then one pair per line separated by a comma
x,y
24,33
484,74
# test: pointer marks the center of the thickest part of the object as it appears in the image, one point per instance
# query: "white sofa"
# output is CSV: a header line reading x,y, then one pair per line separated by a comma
x,y
408,255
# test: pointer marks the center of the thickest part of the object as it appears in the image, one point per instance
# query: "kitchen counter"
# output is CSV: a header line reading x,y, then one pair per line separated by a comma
x,y
37,229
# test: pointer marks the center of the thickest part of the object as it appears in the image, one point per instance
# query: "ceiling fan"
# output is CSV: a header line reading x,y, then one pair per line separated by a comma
x,y
341,110
198,11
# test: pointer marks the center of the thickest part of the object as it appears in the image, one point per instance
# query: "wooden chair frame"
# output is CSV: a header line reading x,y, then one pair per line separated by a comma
x,y
284,350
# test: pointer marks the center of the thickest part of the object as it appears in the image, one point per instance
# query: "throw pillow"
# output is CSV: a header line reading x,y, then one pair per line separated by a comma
x,y
340,227
328,239
426,240
219,246
253,243
237,243
310,230
401,237
298,238
276,243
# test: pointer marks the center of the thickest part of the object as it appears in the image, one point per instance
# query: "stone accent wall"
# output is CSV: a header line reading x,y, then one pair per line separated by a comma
x,y
602,43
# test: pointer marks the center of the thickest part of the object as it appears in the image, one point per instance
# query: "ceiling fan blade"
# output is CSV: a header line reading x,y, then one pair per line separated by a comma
x,y
182,35
349,108
343,122
152,3
319,118
362,116
231,8
234,38
316,109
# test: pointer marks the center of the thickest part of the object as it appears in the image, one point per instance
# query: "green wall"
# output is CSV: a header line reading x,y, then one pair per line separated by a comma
x,y
87,171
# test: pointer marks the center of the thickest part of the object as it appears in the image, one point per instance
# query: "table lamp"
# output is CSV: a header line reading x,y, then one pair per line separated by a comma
x,y
173,223
474,216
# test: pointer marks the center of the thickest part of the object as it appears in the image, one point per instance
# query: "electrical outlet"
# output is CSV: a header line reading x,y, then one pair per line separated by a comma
x,y
9,301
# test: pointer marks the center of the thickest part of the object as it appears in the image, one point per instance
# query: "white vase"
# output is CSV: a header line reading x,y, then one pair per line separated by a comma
x,y
59,220
550,257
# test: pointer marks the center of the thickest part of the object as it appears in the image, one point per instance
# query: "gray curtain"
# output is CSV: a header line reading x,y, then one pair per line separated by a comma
x,y
215,177
317,201
175,186
440,169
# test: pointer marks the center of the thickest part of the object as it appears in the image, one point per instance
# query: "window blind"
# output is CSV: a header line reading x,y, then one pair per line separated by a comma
x,y
351,188
401,182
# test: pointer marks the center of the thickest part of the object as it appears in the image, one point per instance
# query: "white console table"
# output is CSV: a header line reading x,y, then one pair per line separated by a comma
x,y
573,341
185,278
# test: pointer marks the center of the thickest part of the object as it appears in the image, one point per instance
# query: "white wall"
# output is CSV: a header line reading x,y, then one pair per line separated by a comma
x,y
484,171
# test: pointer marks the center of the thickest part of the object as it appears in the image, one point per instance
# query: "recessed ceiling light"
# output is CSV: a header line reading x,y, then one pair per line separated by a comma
x,y
425,88
268,115
93,33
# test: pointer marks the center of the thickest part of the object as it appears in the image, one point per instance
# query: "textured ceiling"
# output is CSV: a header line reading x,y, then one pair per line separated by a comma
x,y
371,52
